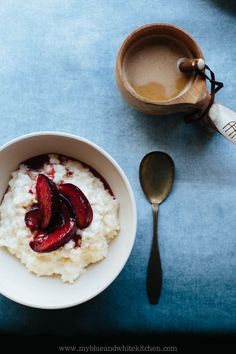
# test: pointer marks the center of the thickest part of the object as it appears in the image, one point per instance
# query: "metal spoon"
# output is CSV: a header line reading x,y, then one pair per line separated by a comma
x,y
156,175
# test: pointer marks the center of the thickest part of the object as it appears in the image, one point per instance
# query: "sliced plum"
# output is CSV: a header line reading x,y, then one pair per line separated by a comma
x,y
63,216
48,242
59,220
67,209
48,199
80,204
33,218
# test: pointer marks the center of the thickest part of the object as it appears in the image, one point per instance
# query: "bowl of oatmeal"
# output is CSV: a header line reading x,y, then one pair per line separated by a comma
x,y
67,220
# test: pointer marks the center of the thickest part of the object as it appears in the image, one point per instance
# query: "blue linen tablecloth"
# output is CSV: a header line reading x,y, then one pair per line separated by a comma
x,y
57,73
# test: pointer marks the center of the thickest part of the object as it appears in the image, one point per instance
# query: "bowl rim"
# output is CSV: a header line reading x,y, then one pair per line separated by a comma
x,y
134,211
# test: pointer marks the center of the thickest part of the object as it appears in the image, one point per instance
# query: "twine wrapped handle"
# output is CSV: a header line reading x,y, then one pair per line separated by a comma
x,y
199,66
211,114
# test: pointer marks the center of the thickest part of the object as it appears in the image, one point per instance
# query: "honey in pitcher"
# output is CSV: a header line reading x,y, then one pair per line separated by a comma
x,y
151,68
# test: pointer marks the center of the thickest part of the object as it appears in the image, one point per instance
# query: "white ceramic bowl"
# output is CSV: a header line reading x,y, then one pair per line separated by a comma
x,y
26,288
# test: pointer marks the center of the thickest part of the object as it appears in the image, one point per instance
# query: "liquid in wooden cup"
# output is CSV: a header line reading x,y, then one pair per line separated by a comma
x,y
148,74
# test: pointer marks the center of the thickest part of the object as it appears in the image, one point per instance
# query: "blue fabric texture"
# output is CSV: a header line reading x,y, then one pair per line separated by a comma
x,y
57,73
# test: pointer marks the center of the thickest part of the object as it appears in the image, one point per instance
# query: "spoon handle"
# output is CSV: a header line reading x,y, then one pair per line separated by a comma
x,y
154,272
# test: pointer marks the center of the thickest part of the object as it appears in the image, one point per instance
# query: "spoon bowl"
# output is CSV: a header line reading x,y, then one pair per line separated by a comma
x,y
156,176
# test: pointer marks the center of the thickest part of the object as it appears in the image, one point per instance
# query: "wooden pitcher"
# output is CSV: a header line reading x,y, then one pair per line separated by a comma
x,y
194,101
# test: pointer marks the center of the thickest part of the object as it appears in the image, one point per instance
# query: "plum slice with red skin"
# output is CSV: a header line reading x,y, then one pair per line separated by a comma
x,y
33,218
67,209
80,204
64,215
55,220
45,242
48,199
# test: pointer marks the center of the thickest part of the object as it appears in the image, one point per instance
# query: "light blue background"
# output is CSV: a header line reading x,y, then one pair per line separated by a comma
x,y
57,73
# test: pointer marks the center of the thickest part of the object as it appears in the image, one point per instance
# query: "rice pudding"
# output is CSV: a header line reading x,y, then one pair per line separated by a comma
x,y
58,216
